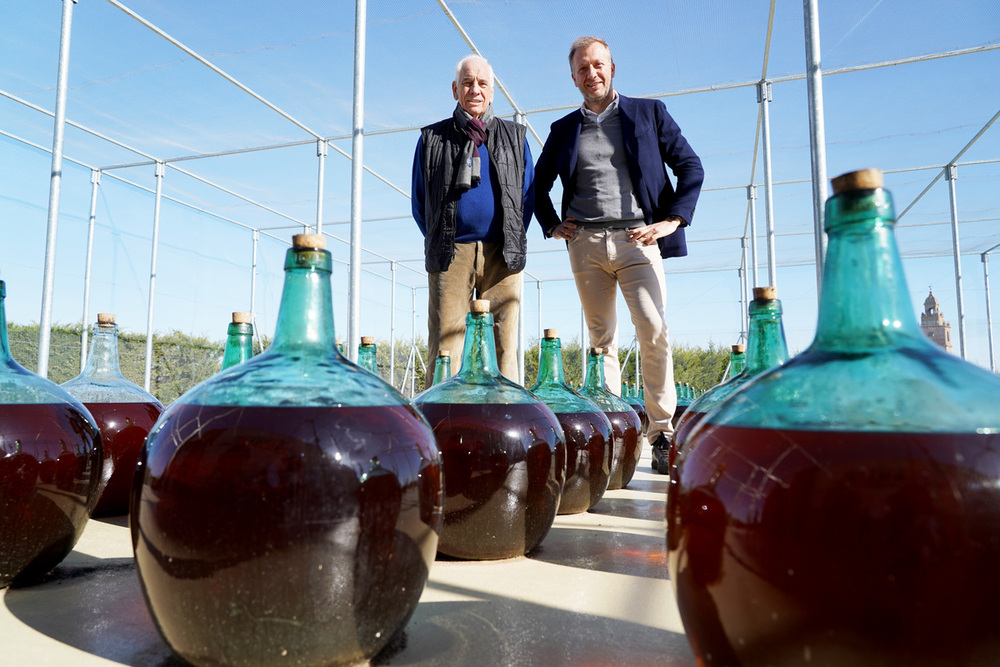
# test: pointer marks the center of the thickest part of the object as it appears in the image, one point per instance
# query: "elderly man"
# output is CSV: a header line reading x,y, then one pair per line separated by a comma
x,y
620,217
473,200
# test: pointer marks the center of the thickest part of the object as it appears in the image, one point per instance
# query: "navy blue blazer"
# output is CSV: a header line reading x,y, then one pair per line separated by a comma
x,y
652,139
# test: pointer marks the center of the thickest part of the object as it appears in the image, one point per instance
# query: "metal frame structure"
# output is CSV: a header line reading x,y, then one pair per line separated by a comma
x,y
746,272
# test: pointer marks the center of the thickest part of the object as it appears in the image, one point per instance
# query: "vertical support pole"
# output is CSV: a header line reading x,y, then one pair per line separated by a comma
x,y
764,99
55,187
817,130
989,317
357,172
147,376
741,276
951,173
538,288
321,150
392,328
584,345
253,284
413,340
752,197
520,333
95,182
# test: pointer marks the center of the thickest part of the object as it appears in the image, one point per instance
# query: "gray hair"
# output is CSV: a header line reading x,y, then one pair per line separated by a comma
x,y
584,42
472,57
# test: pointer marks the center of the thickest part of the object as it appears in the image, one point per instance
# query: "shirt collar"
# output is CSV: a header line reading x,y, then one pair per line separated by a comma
x,y
599,118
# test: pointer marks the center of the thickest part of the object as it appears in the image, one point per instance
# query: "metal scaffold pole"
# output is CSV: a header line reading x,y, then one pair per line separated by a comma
x,y
989,317
95,183
752,198
764,99
952,176
321,151
148,375
357,172
817,131
392,329
55,185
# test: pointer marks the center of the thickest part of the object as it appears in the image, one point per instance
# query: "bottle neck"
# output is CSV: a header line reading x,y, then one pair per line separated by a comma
x,y
442,369
5,358
864,303
595,372
550,366
239,344
305,317
737,362
766,346
102,359
479,355
367,358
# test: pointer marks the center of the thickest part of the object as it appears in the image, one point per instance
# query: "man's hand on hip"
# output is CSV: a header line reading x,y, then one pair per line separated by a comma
x,y
565,229
647,235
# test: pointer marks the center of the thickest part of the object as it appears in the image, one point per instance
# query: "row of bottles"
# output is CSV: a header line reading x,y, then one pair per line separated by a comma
x,y
502,449
843,507
766,340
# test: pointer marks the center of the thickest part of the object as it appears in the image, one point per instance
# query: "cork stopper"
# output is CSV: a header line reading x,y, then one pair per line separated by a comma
x,y
768,292
105,319
310,241
552,333
444,353
864,179
367,340
739,348
241,318
481,306
598,350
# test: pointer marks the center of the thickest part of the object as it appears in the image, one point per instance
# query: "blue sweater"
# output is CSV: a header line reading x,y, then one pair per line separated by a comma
x,y
478,216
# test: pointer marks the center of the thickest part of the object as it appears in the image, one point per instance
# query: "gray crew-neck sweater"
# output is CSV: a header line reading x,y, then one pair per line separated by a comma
x,y
603,185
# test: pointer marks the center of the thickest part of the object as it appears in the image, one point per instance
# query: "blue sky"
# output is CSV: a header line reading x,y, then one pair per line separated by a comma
x,y
131,85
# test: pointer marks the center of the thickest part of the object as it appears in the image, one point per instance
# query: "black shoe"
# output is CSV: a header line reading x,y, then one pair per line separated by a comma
x,y
661,454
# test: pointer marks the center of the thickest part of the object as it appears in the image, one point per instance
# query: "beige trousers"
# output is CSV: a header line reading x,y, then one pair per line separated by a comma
x,y
602,261
477,272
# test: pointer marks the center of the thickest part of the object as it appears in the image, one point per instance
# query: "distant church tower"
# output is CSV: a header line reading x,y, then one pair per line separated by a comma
x,y
933,324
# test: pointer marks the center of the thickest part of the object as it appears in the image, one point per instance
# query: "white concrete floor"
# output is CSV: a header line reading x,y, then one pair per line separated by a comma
x,y
594,593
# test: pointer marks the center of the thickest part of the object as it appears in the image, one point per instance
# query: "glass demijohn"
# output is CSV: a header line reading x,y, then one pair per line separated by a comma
x,y
844,507
287,509
50,468
124,412
587,429
503,450
625,424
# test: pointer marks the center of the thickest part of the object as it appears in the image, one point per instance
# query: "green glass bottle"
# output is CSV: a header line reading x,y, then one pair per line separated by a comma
x,y
766,340
124,412
442,366
368,355
503,451
737,359
587,429
239,340
625,424
858,483
631,396
287,509
50,468
682,405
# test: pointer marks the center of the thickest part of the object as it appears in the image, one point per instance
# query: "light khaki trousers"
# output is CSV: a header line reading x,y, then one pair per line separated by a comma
x,y
602,261
477,272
